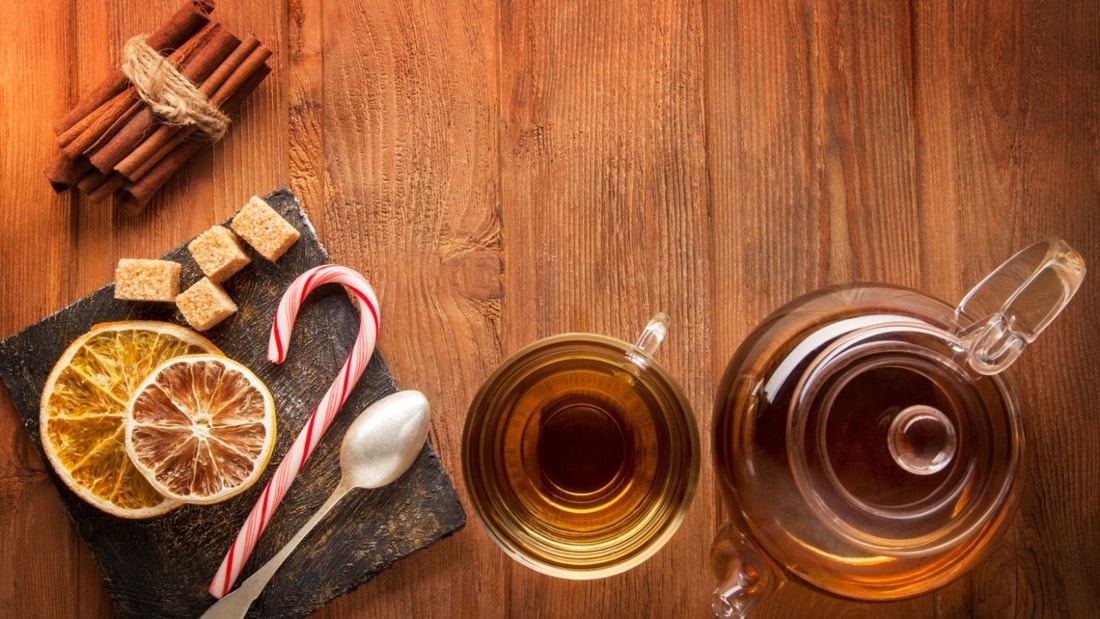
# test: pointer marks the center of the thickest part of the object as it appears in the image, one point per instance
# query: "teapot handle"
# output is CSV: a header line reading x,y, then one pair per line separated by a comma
x,y
744,574
1011,306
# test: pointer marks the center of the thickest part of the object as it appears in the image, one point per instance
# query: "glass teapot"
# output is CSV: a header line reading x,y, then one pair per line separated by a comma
x,y
866,439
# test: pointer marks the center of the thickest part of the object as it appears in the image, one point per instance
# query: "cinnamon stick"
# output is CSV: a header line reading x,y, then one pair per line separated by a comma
x,y
231,64
205,60
133,198
107,188
241,76
145,154
193,15
88,129
99,186
107,119
64,172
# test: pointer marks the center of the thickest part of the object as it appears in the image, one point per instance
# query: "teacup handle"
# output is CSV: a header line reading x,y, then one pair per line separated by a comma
x,y
653,334
649,341
1011,306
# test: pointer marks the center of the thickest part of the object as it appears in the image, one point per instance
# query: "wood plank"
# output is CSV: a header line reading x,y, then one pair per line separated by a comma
x,y
411,199
604,199
1011,154
810,152
965,116
39,550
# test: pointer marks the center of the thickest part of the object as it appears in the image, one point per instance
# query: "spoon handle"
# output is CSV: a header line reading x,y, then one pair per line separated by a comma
x,y
236,604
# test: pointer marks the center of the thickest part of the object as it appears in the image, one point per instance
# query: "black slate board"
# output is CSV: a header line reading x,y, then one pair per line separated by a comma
x,y
161,567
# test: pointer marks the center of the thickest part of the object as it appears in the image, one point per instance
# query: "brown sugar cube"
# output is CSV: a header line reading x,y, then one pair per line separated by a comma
x,y
205,304
264,229
217,253
146,280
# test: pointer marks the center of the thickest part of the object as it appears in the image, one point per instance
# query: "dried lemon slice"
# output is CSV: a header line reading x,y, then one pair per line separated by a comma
x,y
201,428
84,403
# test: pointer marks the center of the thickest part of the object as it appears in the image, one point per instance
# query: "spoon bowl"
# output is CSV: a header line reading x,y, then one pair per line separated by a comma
x,y
384,440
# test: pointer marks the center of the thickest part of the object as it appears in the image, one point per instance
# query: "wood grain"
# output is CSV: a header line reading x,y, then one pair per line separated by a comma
x,y
508,170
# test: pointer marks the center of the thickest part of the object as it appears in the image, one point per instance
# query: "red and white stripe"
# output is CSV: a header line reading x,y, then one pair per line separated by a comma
x,y
322,416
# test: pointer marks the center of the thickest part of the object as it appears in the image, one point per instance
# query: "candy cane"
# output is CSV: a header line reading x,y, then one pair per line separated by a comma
x,y
322,416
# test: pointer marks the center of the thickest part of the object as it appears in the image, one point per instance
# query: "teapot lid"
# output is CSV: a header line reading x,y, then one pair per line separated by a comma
x,y
894,443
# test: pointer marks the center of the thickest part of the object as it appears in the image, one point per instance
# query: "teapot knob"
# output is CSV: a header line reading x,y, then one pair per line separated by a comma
x,y
1011,306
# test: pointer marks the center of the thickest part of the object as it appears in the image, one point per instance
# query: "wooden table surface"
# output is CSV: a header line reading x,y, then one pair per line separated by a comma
x,y
504,171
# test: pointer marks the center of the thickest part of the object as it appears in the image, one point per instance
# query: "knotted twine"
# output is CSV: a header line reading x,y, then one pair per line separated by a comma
x,y
170,95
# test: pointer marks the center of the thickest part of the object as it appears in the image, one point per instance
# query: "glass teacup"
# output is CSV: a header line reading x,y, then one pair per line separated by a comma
x,y
581,454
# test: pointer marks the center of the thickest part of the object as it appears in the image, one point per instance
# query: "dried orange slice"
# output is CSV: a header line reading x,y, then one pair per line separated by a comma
x,y
201,428
84,403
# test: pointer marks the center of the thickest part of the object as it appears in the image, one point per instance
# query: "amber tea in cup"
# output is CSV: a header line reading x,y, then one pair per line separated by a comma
x,y
581,454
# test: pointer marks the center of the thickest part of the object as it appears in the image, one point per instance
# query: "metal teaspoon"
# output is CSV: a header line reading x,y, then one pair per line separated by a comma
x,y
378,447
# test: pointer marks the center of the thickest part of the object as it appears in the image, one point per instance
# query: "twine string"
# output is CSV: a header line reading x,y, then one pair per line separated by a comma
x,y
170,95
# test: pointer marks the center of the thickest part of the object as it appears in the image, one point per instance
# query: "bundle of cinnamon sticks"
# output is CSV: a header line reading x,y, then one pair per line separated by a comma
x,y
113,144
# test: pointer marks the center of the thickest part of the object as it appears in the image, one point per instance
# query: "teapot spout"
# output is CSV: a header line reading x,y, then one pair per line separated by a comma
x,y
744,574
